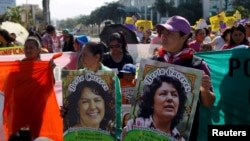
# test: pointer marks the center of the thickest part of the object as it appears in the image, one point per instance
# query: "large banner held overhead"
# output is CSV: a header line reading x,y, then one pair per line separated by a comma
x,y
230,72
91,105
164,104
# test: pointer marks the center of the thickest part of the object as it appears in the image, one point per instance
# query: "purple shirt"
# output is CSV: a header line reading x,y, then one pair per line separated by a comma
x,y
47,41
195,45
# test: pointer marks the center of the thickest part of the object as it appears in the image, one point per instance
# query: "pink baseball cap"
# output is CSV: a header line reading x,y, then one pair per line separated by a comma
x,y
176,23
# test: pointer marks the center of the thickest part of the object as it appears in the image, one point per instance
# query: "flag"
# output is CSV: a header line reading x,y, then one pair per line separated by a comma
x,y
230,80
28,89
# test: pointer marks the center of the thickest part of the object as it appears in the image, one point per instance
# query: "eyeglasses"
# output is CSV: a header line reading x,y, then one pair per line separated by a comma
x,y
115,46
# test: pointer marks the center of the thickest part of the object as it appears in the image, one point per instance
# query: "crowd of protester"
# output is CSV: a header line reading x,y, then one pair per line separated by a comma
x,y
178,41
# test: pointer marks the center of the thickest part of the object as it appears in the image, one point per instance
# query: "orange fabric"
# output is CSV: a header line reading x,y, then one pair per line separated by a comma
x,y
59,54
30,100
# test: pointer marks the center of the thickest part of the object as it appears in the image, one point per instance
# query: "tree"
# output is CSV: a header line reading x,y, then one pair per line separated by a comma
x,y
243,3
84,19
191,10
164,9
13,14
69,23
113,11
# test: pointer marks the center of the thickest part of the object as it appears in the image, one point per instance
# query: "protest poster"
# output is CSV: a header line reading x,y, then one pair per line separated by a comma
x,y
163,91
91,105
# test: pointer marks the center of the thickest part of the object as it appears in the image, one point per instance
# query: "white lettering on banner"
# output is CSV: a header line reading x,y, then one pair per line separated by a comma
x,y
99,80
87,77
171,72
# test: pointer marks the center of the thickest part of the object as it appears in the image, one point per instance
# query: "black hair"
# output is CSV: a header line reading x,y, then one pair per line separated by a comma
x,y
147,99
21,135
96,48
37,35
50,28
120,38
225,32
240,28
6,36
71,117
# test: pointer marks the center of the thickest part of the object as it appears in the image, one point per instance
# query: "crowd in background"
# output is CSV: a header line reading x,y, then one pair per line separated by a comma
x,y
92,55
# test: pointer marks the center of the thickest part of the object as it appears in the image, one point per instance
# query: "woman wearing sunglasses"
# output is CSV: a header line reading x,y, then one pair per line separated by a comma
x,y
118,54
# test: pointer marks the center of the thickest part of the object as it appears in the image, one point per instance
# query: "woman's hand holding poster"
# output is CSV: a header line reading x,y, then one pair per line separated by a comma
x,y
165,101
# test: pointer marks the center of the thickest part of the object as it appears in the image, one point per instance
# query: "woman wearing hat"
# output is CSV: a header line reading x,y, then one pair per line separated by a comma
x,y
79,42
175,34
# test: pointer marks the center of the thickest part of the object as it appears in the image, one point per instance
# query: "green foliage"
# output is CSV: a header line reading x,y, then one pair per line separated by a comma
x,y
13,14
243,11
190,10
164,8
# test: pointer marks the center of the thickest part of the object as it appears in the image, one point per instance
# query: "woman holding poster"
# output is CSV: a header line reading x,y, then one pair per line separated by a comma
x,y
92,55
175,34
162,105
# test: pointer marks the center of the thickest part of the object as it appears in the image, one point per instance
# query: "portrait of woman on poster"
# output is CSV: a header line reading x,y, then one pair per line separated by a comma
x,y
90,106
161,106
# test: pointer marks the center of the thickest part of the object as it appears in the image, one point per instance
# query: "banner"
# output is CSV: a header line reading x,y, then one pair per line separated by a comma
x,y
66,61
91,107
230,79
29,99
11,50
147,24
164,104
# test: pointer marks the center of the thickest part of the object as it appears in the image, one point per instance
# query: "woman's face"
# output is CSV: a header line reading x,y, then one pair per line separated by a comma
x,y
200,36
91,108
115,47
166,101
88,58
66,37
76,46
227,38
172,41
31,50
238,36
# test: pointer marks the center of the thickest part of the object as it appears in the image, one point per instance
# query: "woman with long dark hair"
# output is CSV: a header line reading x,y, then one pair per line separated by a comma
x,y
118,54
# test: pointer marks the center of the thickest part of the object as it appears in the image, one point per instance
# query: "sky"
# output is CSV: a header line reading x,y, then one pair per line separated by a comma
x,y
63,9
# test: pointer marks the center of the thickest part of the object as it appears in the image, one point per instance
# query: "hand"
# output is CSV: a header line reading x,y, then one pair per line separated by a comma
x,y
63,111
205,82
52,63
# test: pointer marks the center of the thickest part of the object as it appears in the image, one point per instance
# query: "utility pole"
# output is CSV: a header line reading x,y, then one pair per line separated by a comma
x,y
46,12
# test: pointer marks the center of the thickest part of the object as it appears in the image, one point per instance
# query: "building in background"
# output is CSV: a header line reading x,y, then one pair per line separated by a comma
x,y
6,3
210,7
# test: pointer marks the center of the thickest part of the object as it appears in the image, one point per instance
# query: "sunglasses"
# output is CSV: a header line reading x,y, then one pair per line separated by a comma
x,y
115,46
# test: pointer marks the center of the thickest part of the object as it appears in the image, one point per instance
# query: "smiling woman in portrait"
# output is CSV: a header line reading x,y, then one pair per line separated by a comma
x,y
90,105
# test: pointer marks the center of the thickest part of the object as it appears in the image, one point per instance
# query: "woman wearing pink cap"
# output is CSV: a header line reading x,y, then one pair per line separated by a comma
x,y
175,34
